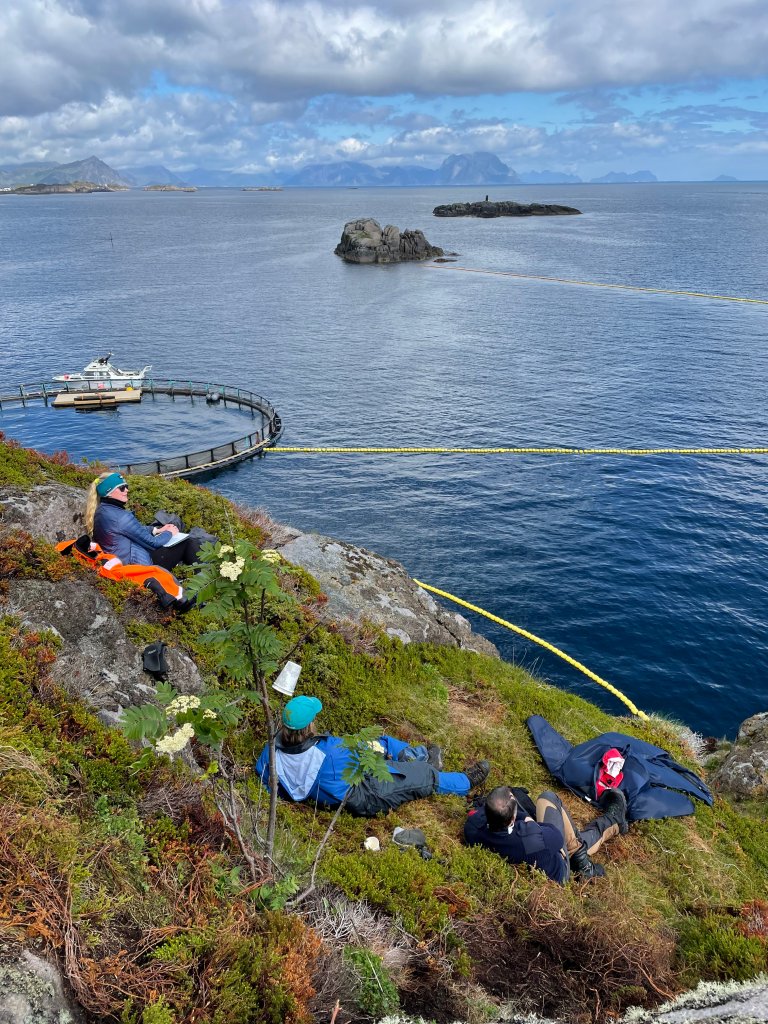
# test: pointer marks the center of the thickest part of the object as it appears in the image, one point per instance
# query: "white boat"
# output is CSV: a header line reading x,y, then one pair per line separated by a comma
x,y
103,374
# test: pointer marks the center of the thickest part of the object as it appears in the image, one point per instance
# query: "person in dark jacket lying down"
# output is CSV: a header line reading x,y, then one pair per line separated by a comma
x,y
551,842
310,766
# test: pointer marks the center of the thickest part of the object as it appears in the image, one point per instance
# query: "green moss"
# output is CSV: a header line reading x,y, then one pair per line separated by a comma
x,y
23,468
712,948
402,884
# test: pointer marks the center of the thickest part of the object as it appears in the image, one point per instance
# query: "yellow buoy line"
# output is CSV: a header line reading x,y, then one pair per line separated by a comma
x,y
537,640
601,284
425,450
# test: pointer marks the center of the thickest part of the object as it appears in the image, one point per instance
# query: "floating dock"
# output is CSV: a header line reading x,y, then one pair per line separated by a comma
x,y
95,399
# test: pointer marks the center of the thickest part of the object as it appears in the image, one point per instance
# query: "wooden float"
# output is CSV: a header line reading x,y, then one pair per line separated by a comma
x,y
96,399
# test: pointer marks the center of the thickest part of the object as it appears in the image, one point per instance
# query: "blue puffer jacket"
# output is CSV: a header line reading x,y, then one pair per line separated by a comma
x,y
120,533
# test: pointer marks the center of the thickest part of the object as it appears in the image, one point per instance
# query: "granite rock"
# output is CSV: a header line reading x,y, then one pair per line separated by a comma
x,y
365,241
744,772
361,585
32,990
97,661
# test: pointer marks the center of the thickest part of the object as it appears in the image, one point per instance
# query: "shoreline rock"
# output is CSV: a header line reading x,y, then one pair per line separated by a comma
x,y
743,774
505,208
365,241
363,586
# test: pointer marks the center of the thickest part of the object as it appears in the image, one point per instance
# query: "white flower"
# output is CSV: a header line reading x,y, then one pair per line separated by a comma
x,y
209,714
231,570
270,555
173,742
181,704
225,549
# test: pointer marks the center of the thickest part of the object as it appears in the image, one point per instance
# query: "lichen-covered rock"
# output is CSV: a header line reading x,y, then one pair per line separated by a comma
x,y
32,990
52,511
97,661
730,1002
744,772
361,585
364,241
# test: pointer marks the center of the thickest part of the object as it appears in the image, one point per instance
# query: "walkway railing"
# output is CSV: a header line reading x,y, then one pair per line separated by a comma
x,y
204,460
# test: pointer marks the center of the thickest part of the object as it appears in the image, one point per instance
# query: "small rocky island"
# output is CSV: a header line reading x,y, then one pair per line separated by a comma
x,y
505,208
364,241
64,188
170,188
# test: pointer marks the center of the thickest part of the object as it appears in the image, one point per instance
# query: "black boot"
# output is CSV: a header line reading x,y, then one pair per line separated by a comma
x,y
613,804
477,773
583,866
165,599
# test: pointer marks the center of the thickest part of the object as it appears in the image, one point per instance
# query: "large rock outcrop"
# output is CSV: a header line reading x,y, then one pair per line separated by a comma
x,y
503,209
52,511
361,585
364,241
744,772
97,661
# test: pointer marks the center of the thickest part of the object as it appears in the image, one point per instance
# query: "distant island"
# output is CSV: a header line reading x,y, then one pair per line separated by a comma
x,y
262,188
503,209
59,188
170,188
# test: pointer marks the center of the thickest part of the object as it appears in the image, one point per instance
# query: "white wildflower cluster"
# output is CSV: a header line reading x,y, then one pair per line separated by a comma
x,y
225,549
181,704
231,570
175,741
270,555
209,714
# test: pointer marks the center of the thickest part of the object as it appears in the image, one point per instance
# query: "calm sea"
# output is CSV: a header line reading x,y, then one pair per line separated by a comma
x,y
652,571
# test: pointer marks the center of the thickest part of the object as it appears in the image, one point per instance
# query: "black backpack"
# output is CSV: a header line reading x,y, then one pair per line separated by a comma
x,y
154,660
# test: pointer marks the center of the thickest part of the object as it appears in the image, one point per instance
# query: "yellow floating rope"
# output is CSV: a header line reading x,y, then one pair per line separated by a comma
x,y
415,450
542,643
601,284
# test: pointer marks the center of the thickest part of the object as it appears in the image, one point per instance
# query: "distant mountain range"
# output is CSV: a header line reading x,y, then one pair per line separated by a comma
x,y
481,169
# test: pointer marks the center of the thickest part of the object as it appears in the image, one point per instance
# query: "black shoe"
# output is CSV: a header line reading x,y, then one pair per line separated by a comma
x,y
477,773
165,599
435,757
613,804
582,865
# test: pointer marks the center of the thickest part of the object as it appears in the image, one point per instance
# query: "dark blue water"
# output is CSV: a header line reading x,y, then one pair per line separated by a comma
x,y
651,571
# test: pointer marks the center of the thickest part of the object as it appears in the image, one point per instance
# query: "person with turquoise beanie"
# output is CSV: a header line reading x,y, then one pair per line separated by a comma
x,y
311,765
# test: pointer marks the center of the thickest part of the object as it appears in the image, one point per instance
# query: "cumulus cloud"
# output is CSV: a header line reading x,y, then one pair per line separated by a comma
x,y
255,81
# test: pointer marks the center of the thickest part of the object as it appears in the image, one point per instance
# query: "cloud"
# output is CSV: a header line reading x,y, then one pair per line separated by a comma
x,y
256,80
60,51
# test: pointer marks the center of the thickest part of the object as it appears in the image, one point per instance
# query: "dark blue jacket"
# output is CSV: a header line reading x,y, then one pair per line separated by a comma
x,y
655,785
541,846
120,533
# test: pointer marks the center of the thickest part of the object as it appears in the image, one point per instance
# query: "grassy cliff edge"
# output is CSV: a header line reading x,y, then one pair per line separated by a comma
x,y
128,876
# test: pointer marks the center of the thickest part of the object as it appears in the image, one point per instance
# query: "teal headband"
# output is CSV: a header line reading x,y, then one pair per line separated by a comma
x,y
103,487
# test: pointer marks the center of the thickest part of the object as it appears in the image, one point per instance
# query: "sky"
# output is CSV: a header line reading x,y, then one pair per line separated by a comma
x,y
582,86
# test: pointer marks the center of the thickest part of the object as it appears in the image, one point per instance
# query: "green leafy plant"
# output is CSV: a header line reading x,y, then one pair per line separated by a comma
x,y
376,994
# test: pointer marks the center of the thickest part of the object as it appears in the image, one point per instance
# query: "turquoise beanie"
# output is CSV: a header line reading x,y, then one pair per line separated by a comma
x,y
299,712
103,487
